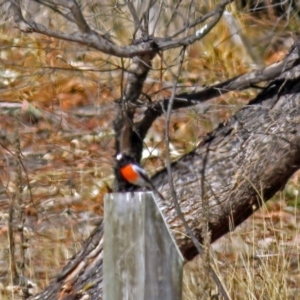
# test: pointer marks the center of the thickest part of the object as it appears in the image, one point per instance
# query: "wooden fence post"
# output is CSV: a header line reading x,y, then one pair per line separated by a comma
x,y
141,260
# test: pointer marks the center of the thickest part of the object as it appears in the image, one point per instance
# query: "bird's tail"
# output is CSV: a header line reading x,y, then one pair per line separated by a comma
x,y
156,192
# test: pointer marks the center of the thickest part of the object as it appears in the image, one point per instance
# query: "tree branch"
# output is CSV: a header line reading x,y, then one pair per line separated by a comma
x,y
241,82
100,42
55,9
217,13
76,12
137,22
198,21
88,37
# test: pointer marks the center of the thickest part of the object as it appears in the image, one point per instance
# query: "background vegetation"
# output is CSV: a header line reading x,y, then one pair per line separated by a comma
x,y
57,102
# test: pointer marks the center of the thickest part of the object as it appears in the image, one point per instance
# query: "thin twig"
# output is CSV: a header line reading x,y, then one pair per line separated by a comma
x,y
201,19
21,210
206,233
199,34
198,246
137,22
56,10
11,241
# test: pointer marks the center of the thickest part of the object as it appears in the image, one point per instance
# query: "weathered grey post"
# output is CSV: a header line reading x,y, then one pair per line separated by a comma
x,y
141,258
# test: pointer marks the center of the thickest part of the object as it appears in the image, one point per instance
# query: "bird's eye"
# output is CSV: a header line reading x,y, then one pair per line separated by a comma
x,y
119,156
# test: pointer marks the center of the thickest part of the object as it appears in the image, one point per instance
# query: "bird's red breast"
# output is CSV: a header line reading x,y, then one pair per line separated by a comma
x,y
129,173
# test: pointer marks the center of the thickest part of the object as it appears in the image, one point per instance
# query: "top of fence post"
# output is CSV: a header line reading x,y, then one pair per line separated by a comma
x,y
141,258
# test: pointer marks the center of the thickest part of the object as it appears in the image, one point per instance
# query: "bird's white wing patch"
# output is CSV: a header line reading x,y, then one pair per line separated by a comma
x,y
144,178
140,170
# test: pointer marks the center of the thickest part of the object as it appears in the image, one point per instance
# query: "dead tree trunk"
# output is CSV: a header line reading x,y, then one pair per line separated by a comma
x,y
241,164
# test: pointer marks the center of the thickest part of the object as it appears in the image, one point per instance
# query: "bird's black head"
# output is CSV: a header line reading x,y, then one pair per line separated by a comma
x,y
123,159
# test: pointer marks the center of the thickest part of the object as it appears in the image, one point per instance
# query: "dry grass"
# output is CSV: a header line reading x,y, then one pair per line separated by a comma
x,y
259,260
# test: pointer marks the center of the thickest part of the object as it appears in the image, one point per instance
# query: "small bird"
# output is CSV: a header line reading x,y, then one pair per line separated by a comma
x,y
133,173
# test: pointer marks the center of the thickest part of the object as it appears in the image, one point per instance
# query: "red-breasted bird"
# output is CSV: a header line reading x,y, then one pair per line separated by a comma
x,y
133,173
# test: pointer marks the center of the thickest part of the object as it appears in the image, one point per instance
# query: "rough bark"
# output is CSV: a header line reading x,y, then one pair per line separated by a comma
x,y
248,159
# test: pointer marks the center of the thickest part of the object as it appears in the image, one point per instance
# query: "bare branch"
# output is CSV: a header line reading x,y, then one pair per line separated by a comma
x,y
18,17
137,23
146,14
155,20
90,38
195,22
174,13
238,83
216,13
55,9
76,12
100,42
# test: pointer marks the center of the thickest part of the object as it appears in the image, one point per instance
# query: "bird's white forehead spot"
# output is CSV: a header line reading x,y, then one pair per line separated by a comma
x,y
119,156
